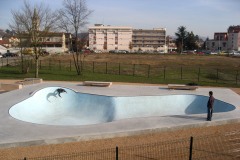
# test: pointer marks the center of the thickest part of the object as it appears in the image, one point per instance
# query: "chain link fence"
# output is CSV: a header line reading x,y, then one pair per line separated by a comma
x,y
187,73
224,146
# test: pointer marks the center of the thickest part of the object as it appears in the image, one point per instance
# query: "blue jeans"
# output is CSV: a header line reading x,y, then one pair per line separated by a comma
x,y
209,114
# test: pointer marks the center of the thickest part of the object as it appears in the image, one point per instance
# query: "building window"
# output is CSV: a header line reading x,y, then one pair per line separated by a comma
x,y
213,44
224,44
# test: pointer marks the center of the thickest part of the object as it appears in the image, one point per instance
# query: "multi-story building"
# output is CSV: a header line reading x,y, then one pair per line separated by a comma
x,y
234,38
149,40
110,38
225,41
171,44
219,43
125,38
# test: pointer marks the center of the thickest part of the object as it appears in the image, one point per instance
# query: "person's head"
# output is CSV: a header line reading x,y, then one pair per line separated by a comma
x,y
210,93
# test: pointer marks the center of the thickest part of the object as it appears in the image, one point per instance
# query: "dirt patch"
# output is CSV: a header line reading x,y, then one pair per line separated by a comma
x,y
94,145
223,62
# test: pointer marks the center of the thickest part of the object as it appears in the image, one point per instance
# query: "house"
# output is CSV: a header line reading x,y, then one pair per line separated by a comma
x,y
52,42
219,43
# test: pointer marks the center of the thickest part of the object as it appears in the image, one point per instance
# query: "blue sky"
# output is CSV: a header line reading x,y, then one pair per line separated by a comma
x,y
203,17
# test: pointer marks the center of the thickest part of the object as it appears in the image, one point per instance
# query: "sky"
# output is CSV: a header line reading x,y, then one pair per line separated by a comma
x,y
203,17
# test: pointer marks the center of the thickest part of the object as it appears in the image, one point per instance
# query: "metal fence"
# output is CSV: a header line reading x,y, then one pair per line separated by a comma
x,y
188,73
223,146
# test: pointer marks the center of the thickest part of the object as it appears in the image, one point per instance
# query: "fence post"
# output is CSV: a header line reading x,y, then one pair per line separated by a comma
x,y
93,66
217,76
181,72
119,68
237,78
106,68
198,74
190,149
70,65
164,72
133,69
116,152
148,71
59,63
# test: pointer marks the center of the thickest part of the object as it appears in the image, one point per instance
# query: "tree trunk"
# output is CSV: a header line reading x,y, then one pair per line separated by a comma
x,y
36,69
77,60
36,62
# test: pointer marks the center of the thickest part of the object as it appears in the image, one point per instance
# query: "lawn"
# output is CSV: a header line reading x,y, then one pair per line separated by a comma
x,y
137,68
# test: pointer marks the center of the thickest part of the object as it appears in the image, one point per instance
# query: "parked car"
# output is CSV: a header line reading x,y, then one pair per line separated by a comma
x,y
122,51
112,51
44,53
9,54
97,51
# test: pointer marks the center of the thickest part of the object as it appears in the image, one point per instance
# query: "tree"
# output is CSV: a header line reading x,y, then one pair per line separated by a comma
x,y
130,46
71,18
18,28
191,41
181,37
33,23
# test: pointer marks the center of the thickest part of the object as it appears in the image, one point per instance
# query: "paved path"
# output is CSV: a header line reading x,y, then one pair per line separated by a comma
x,y
18,133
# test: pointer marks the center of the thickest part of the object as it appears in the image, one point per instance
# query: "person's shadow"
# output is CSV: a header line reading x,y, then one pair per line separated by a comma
x,y
55,93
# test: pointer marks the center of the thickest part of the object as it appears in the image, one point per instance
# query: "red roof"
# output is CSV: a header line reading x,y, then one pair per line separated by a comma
x,y
4,42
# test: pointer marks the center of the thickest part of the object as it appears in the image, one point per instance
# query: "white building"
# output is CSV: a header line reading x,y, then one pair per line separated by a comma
x,y
109,38
234,38
225,41
150,40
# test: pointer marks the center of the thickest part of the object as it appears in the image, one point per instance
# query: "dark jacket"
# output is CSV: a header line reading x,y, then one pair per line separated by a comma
x,y
210,102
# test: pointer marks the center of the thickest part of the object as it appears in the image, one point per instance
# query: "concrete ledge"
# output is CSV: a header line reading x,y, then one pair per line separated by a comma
x,y
10,86
96,83
181,87
28,81
97,136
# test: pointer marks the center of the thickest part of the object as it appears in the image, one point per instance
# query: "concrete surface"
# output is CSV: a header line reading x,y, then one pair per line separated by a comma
x,y
14,132
10,86
47,106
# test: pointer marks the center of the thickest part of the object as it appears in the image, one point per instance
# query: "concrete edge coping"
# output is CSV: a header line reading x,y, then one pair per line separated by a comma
x,y
27,81
10,86
181,86
113,135
97,83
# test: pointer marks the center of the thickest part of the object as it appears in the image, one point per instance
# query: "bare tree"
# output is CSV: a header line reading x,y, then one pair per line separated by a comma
x,y
18,28
33,24
71,18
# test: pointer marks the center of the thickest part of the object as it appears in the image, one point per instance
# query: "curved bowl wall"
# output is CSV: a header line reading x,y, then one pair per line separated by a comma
x,y
73,108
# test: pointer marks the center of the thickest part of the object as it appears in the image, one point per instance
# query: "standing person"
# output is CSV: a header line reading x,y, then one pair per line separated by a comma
x,y
210,106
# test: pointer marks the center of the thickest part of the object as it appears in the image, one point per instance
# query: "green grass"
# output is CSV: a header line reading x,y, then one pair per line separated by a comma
x,y
156,75
182,69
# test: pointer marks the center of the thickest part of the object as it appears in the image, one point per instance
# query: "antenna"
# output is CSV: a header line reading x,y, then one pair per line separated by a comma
x,y
103,21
